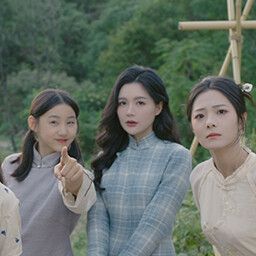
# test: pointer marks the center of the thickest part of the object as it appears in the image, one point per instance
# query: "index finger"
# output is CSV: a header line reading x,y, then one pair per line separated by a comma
x,y
64,155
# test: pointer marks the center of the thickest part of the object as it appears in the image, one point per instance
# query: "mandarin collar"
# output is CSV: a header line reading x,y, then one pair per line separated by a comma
x,y
47,161
144,143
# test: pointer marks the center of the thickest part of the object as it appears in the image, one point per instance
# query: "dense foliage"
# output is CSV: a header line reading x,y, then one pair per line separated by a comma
x,y
81,46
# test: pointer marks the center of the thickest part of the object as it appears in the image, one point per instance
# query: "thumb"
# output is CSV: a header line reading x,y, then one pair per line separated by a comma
x,y
57,173
64,155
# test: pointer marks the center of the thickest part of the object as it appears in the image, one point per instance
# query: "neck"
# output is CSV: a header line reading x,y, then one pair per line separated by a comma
x,y
228,160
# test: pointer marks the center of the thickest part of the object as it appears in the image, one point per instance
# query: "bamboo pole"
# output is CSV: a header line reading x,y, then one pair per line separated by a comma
x,y
231,10
239,32
246,10
249,24
225,64
234,44
215,25
223,70
227,60
193,146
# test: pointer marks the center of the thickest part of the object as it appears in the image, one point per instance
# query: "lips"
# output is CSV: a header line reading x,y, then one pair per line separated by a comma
x,y
131,123
62,140
213,135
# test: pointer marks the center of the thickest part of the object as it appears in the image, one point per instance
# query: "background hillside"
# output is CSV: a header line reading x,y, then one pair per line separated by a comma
x,y
82,45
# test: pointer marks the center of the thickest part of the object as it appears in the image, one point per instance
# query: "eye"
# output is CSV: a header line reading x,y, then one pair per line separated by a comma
x,y
71,123
141,103
222,111
121,103
53,122
199,116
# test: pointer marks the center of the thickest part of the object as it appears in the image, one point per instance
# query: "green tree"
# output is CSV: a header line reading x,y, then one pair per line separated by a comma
x,y
8,63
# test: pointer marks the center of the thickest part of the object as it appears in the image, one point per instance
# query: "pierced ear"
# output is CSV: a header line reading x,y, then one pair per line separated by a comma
x,y
32,123
159,107
245,117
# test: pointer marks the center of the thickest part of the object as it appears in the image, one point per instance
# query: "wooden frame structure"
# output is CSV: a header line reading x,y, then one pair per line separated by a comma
x,y
236,22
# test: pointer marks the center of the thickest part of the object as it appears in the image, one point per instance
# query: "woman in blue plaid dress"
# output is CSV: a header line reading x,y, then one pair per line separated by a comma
x,y
142,172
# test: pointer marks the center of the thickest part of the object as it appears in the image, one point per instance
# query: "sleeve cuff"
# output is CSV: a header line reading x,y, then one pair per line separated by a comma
x,y
85,198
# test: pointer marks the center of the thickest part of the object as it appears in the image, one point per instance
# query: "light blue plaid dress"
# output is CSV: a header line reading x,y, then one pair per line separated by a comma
x,y
144,189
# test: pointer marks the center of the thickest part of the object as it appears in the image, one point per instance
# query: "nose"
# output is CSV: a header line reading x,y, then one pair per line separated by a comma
x,y
130,110
62,130
210,122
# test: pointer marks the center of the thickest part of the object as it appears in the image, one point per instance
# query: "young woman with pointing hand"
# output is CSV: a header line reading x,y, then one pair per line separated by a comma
x,y
50,208
69,170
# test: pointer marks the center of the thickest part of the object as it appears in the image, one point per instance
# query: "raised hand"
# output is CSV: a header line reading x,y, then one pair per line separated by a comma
x,y
69,169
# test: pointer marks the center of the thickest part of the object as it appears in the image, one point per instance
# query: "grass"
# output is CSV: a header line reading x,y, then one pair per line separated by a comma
x,y
79,238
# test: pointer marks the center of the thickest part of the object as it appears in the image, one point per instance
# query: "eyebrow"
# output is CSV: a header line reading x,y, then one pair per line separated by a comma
x,y
136,98
215,106
55,116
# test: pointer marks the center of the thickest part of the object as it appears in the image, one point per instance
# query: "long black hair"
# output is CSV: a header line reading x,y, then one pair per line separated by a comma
x,y
1,175
112,138
42,103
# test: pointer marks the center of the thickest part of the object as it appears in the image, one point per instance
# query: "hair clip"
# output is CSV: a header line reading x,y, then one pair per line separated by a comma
x,y
246,87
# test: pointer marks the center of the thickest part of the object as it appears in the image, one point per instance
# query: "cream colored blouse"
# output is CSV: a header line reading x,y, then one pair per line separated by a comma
x,y
10,226
227,206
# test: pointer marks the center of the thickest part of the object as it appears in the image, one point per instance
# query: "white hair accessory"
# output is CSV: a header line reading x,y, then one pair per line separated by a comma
x,y
246,87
